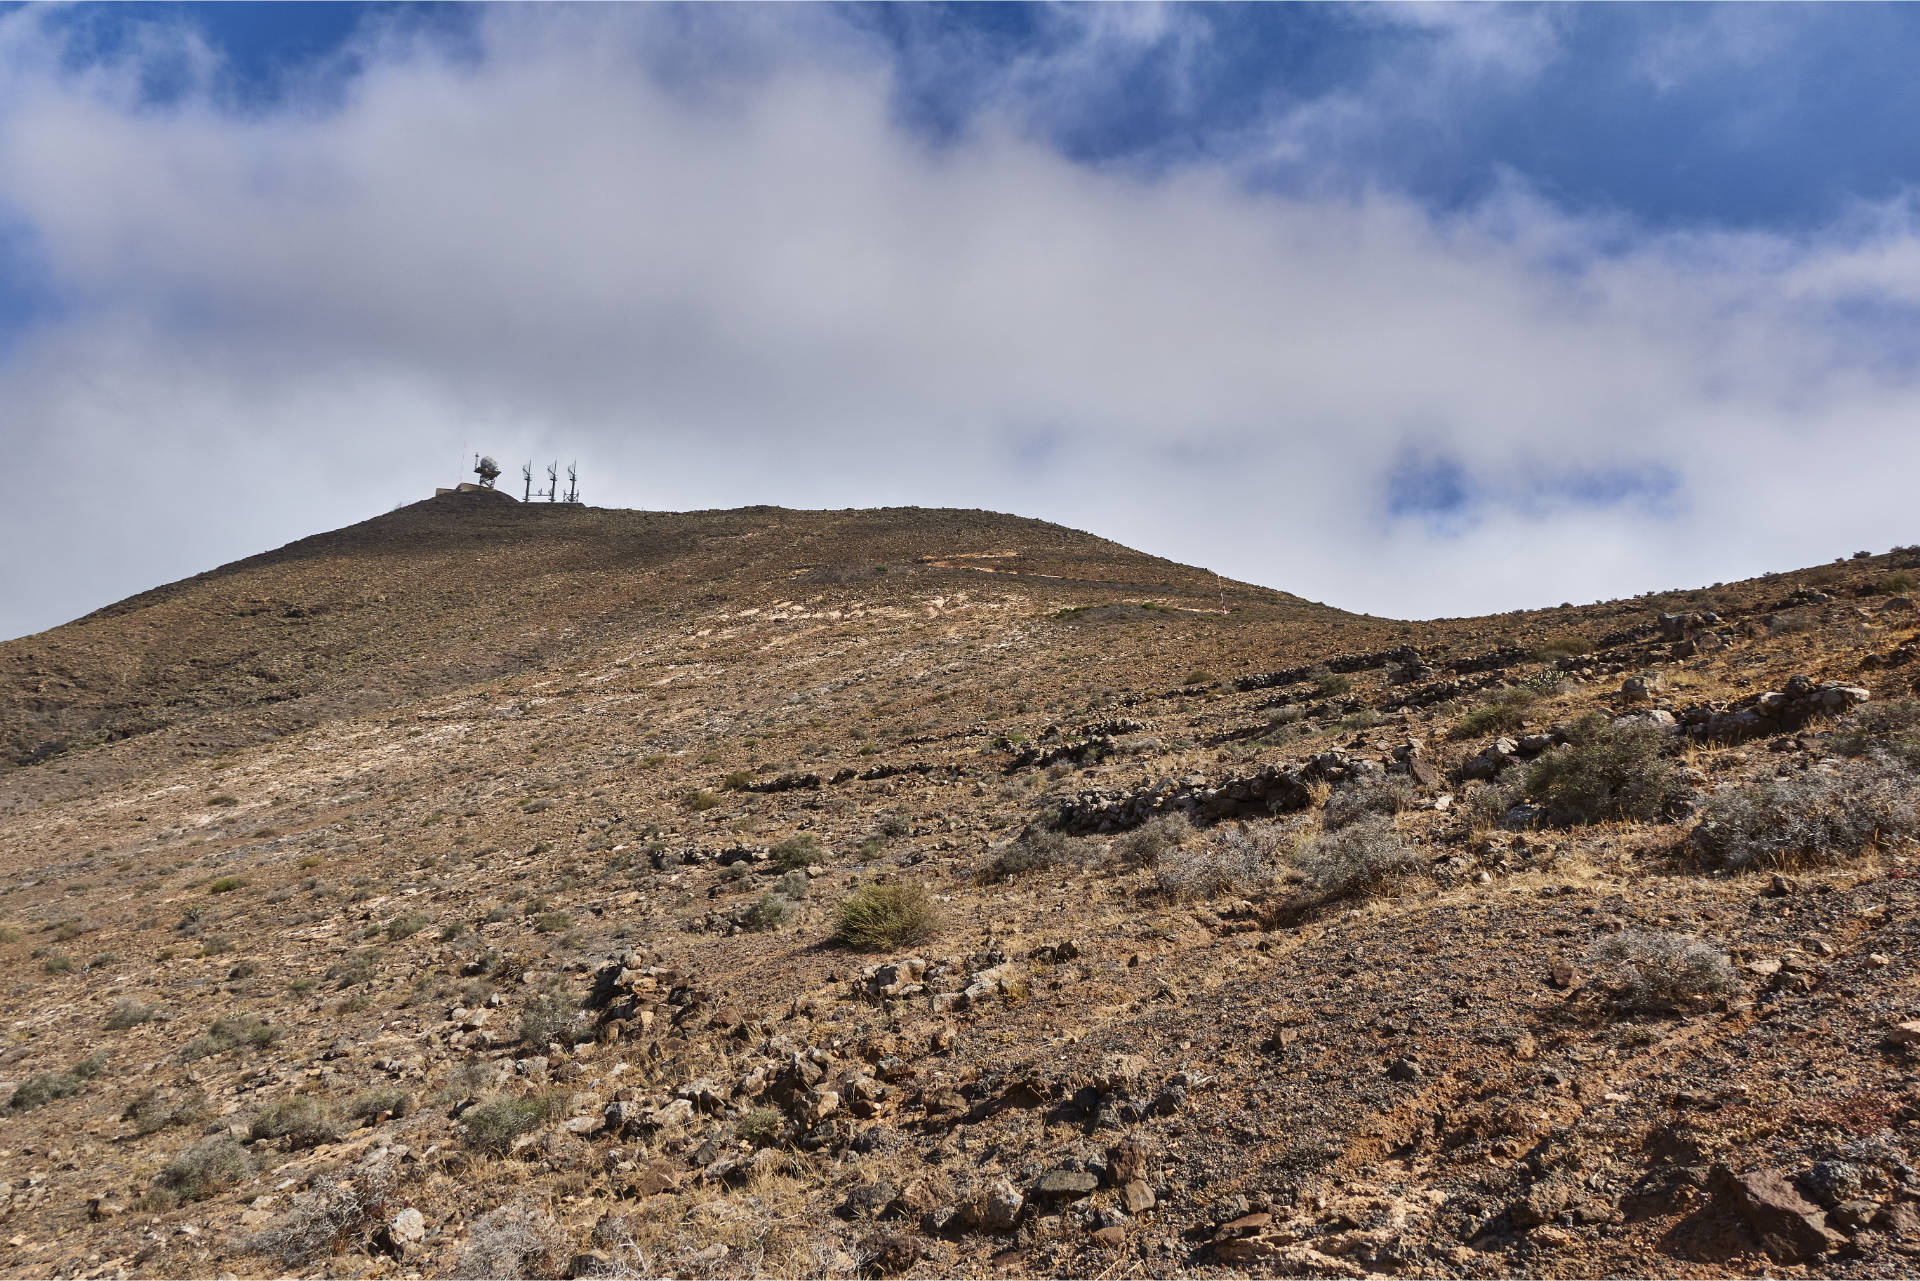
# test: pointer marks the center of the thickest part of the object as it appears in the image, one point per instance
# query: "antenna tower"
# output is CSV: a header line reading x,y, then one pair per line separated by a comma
x,y
553,481
573,483
526,475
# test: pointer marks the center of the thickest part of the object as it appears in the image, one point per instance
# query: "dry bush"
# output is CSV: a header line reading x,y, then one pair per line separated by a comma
x,y
304,1121
1507,712
492,1127
1361,859
127,1012
1145,845
549,1016
796,852
1607,772
1035,849
156,1109
330,1213
510,1242
876,917
1232,860
212,1165
44,1087
1363,796
1815,817
1890,729
1664,970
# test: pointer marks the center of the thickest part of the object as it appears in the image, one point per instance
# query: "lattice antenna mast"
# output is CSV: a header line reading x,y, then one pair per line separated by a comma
x,y
573,482
553,481
526,476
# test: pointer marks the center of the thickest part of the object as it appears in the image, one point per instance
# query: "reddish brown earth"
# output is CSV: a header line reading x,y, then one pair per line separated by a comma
x,y
408,901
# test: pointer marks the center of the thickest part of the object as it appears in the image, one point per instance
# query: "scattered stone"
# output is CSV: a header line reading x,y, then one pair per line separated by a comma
x,y
1791,1229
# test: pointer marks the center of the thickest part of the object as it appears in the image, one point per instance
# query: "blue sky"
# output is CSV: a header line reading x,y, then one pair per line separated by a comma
x,y
1488,305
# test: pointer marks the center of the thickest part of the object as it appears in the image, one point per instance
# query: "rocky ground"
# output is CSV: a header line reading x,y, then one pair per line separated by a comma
x,y
464,894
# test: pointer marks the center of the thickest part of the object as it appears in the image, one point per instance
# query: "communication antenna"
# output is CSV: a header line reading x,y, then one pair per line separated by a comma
x,y
553,481
573,482
526,475
487,470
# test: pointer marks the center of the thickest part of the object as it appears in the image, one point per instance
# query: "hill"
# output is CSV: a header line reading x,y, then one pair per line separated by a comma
x,y
489,889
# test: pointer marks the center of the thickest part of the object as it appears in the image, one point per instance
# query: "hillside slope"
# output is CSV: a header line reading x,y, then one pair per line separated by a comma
x,y
468,892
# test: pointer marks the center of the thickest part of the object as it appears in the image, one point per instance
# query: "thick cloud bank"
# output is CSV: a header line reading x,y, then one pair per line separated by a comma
x,y
719,280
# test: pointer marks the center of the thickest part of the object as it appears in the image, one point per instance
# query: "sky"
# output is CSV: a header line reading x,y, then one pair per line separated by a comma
x,y
1422,311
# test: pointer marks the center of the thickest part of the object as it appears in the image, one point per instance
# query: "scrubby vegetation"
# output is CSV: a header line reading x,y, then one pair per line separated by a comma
x,y
1362,857
1824,815
1663,970
510,1242
212,1165
302,1121
1238,859
1147,844
878,916
1606,772
492,1127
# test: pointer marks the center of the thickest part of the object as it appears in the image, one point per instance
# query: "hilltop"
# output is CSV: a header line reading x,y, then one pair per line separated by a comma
x,y
471,891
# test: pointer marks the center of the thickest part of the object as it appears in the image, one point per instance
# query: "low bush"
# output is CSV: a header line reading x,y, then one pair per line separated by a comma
x,y
127,1012
768,912
212,1165
794,886
224,884
371,1104
1664,970
1146,844
1506,713
1363,796
511,1242
798,852
332,1212
552,922
1231,860
700,801
761,1127
1332,684
877,917
1362,858
404,927
549,1016
1607,772
1821,816
1200,676
156,1109
230,1034
1035,848
1890,729
302,1120
492,1127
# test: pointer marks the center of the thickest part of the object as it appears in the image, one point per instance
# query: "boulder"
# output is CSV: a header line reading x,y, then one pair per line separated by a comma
x,y
1790,1228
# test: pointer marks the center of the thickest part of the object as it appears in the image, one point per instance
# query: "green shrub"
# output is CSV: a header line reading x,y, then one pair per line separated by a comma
x,y
492,1127
798,851
452,930
1331,684
224,884
876,917
43,1088
768,912
761,1127
404,927
58,963
1199,676
302,1120
1566,645
1608,772
794,886
209,1166
1506,713
736,781
552,922
223,801
698,801
353,970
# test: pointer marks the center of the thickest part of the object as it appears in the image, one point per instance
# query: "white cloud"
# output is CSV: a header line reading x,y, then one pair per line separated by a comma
x,y
760,288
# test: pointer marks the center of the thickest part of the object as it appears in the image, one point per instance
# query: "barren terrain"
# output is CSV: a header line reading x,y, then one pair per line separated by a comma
x,y
492,890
